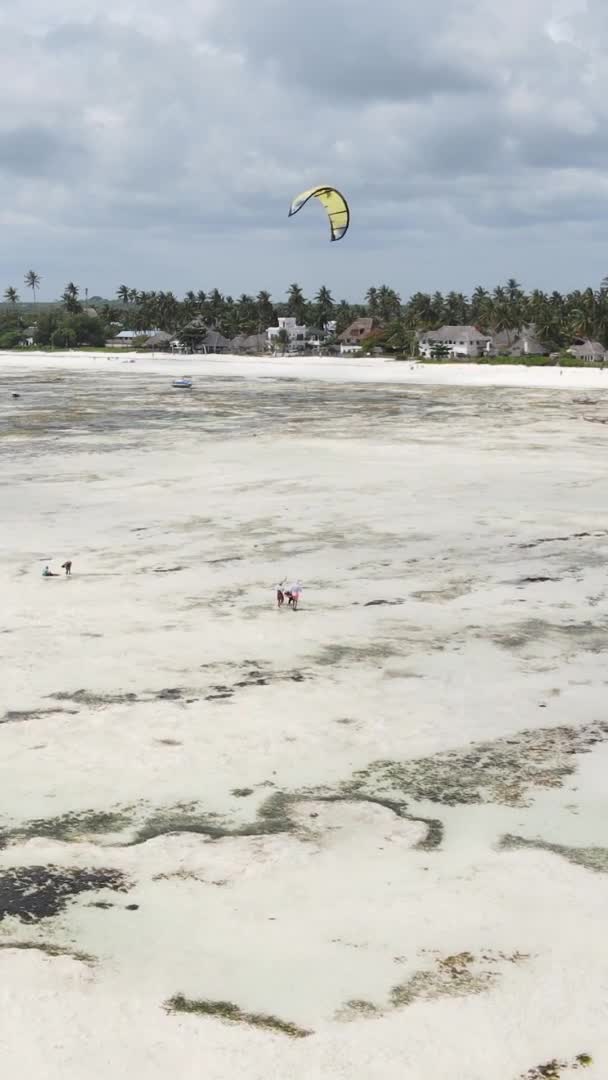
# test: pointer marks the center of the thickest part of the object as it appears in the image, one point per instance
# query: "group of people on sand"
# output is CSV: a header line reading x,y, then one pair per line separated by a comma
x,y
291,594
67,566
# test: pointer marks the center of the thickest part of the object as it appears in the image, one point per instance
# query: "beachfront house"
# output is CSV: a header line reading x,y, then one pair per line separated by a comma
x,y
453,341
592,352
214,342
314,338
288,332
251,344
352,338
126,338
521,342
160,342
196,337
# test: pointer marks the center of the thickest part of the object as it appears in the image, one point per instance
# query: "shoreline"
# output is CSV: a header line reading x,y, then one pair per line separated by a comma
x,y
322,369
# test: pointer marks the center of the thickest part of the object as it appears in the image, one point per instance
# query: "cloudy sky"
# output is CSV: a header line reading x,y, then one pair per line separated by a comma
x,y
159,144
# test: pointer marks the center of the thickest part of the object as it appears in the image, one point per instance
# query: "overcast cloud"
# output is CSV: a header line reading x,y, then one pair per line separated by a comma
x,y
160,144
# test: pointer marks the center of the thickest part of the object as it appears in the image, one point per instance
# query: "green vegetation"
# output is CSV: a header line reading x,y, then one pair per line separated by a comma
x,y
559,318
226,1010
32,281
49,950
552,1070
563,360
70,827
592,858
66,330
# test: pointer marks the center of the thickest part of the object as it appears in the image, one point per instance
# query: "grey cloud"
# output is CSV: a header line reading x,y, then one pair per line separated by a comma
x,y
434,119
349,51
35,152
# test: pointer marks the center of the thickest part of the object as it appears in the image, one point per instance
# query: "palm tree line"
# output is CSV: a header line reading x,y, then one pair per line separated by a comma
x,y
246,314
559,318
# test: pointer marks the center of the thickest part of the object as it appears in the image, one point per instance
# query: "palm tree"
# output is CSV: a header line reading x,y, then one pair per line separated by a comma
x,y
70,297
190,304
371,298
440,351
325,306
123,293
296,304
344,316
11,295
389,304
282,339
514,290
481,305
32,281
266,313
215,305
456,309
401,337
423,309
168,308
437,310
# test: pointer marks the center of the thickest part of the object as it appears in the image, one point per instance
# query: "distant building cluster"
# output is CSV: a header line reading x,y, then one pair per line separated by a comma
x,y
290,337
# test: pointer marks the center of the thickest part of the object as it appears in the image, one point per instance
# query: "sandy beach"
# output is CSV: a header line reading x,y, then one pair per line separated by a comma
x,y
364,840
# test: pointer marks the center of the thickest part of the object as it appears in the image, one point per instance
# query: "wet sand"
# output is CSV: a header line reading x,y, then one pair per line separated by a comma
x,y
367,839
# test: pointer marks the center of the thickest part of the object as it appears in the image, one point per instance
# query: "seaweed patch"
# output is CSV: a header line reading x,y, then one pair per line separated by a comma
x,y
32,893
227,1011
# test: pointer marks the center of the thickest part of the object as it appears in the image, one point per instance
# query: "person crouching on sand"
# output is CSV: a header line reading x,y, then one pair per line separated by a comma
x,y
67,566
48,573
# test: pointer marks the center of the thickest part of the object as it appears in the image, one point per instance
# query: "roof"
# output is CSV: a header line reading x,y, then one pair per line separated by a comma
x,y
249,342
588,348
214,340
162,338
454,333
128,335
516,341
255,341
360,328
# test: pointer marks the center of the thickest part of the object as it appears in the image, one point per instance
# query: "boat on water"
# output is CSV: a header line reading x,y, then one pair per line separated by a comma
x,y
183,383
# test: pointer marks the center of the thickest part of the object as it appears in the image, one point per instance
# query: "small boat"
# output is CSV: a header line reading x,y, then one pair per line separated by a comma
x,y
183,383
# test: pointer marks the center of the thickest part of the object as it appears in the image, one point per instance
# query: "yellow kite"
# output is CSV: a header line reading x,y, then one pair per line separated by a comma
x,y
334,203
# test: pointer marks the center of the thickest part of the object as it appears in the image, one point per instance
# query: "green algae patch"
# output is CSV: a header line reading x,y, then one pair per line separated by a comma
x,y
231,1013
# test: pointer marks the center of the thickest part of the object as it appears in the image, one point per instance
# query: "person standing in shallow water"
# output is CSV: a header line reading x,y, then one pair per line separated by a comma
x,y
293,595
67,566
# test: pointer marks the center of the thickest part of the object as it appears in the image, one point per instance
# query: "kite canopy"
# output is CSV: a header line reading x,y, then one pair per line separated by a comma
x,y
335,204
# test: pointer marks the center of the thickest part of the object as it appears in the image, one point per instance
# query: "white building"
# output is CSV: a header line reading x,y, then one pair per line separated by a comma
x,y
125,338
297,334
130,335
459,341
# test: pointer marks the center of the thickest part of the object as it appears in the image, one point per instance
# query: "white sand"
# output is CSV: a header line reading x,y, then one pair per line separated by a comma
x,y
370,481
342,369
